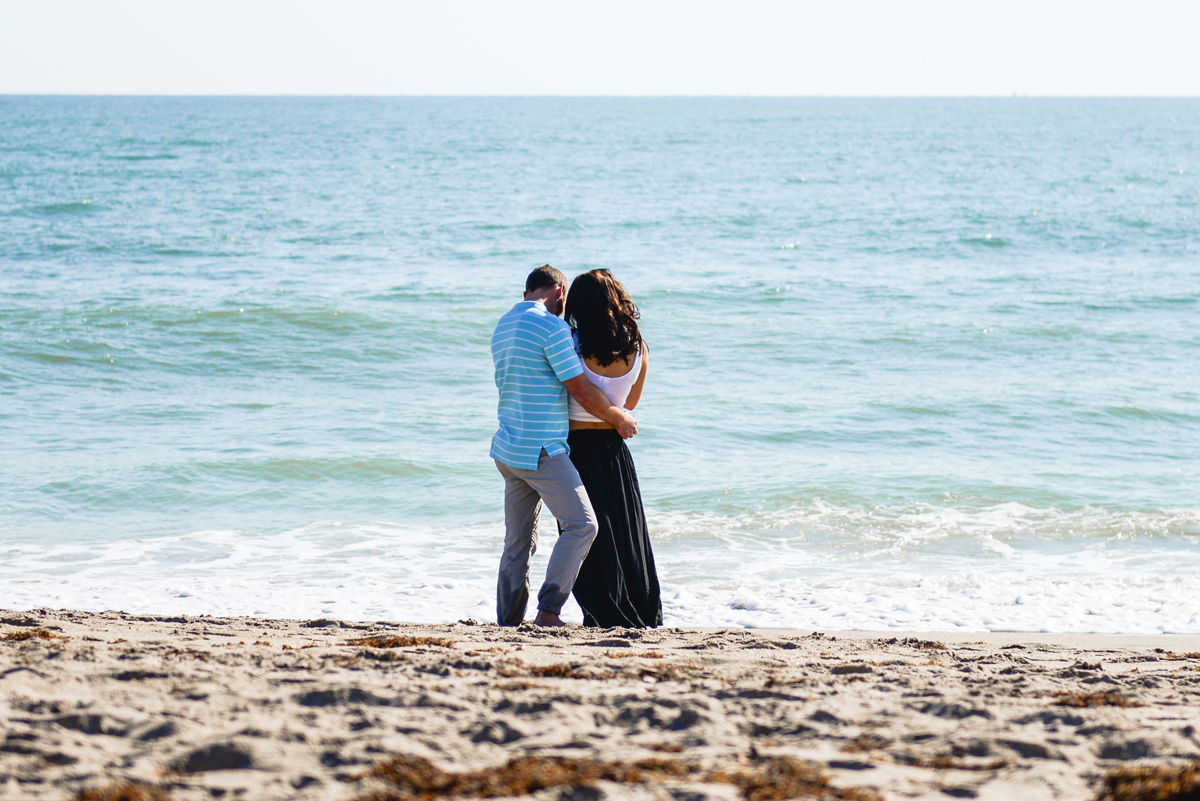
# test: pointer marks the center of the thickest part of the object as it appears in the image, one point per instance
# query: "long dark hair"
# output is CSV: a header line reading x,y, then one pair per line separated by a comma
x,y
600,309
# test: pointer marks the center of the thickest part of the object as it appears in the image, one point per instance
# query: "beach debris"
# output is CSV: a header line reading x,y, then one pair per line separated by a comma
x,y
1107,698
414,777
417,777
923,645
866,743
400,642
1152,783
518,686
565,671
786,777
947,762
842,670
633,654
123,791
31,634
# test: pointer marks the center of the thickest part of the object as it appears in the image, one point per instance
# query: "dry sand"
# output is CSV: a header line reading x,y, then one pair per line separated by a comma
x,y
238,708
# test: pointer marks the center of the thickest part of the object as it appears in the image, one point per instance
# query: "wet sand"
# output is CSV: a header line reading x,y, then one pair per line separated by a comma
x,y
200,708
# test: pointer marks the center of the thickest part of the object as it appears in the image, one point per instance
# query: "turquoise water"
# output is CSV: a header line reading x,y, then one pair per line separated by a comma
x,y
921,364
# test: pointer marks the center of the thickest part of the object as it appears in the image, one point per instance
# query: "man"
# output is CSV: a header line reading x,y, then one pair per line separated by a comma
x,y
536,366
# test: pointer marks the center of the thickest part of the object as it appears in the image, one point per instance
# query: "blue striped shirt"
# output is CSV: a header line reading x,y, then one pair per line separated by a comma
x,y
534,354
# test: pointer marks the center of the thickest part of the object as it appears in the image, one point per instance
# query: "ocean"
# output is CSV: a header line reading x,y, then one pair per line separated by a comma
x,y
916,364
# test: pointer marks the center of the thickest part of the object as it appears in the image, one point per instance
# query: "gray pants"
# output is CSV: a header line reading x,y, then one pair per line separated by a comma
x,y
557,483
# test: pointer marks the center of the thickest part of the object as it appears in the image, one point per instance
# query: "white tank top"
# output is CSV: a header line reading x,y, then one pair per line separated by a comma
x,y
617,389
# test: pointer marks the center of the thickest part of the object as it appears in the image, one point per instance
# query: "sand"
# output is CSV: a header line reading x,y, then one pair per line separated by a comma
x,y
201,708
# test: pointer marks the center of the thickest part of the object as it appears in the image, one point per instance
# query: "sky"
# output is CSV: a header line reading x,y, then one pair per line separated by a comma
x,y
615,47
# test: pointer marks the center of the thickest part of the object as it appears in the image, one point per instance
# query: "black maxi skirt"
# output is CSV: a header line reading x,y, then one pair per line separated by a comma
x,y
618,584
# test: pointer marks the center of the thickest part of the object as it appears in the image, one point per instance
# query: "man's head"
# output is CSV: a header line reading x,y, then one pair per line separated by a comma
x,y
549,286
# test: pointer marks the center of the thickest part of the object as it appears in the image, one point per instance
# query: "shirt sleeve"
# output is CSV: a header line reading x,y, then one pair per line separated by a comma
x,y
560,353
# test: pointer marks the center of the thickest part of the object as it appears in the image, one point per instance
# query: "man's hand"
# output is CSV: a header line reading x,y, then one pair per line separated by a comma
x,y
628,426
590,397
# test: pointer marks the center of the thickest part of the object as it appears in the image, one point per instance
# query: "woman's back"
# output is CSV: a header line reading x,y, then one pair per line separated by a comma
x,y
610,380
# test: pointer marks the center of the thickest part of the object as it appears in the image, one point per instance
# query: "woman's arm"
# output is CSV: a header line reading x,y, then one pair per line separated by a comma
x,y
635,394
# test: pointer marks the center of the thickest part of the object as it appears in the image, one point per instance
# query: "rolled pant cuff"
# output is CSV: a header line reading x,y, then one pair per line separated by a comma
x,y
554,610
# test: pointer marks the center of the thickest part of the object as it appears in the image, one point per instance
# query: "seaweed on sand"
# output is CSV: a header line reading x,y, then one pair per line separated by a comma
x,y
1081,700
514,686
414,777
633,655
1152,783
30,634
400,642
947,762
417,777
123,791
785,777
923,645
561,670
866,743
565,671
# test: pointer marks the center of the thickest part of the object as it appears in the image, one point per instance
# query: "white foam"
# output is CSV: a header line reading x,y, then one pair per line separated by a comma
x,y
1002,568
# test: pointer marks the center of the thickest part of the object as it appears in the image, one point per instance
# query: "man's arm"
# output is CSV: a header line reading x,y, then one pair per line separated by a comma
x,y
590,397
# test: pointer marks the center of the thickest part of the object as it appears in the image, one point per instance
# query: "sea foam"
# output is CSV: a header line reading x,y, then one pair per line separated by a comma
x,y
999,569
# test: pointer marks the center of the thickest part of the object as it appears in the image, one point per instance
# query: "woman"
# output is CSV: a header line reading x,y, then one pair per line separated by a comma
x,y
617,585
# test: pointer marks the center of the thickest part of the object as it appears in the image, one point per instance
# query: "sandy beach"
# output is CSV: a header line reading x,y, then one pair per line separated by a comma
x,y
112,705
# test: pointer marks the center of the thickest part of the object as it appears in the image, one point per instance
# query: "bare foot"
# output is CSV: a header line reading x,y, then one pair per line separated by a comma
x,y
548,620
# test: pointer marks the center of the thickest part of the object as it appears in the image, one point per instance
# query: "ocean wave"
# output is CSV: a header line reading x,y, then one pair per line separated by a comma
x,y
74,207
311,469
910,524
242,484
54,358
383,571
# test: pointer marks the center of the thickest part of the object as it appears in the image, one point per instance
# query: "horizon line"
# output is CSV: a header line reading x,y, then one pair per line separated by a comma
x,y
1013,96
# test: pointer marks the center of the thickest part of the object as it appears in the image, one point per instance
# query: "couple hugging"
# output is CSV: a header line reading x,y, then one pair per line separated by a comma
x,y
564,391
